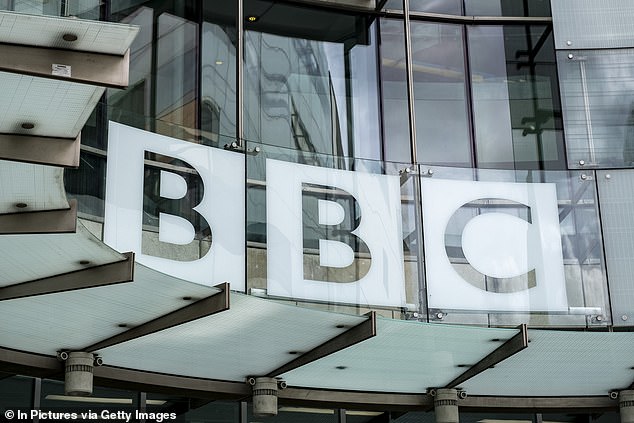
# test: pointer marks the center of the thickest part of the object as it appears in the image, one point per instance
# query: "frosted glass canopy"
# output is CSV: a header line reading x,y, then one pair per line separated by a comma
x,y
48,31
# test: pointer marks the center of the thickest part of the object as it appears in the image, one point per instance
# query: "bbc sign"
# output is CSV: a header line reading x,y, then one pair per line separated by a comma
x,y
358,248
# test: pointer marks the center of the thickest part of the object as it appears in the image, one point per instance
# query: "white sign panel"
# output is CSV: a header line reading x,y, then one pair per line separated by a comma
x,y
221,208
371,210
515,247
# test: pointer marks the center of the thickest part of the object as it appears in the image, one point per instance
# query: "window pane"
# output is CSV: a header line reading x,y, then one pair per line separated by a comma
x,y
176,82
311,80
442,129
517,115
507,7
394,91
597,88
162,95
450,7
218,102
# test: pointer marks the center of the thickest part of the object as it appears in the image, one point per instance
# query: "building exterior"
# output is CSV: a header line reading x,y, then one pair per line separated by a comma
x,y
352,210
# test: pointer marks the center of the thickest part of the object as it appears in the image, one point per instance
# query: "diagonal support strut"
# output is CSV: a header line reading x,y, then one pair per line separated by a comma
x,y
107,274
512,346
354,335
213,304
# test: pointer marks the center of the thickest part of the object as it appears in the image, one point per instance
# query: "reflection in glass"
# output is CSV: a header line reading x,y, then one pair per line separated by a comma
x,y
449,7
515,97
597,88
86,185
507,8
308,88
218,73
175,105
394,91
442,129
132,106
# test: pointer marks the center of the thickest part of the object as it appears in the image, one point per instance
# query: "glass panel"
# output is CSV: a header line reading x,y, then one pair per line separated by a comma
x,y
176,80
593,23
309,236
218,102
508,8
515,97
51,7
597,88
86,184
311,80
440,94
560,363
616,202
296,414
394,91
449,7
392,361
522,247
393,5
16,392
193,410
133,105
84,9
163,92
102,400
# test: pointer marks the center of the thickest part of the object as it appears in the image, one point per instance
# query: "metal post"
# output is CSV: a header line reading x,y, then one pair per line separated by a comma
x,y
240,74
340,415
410,83
446,406
243,412
142,405
37,397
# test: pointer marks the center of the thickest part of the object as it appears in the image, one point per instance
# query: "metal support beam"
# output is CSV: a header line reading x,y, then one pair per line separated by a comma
x,y
107,274
41,150
36,365
40,222
139,380
104,70
206,307
512,346
352,336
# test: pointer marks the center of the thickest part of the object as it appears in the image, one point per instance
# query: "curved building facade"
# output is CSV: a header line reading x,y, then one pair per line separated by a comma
x,y
316,211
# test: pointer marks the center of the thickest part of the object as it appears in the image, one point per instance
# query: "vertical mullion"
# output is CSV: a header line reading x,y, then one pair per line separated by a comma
x,y
239,73
469,97
410,83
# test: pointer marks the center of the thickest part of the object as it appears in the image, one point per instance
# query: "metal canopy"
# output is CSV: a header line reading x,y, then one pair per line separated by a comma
x,y
405,356
48,31
562,363
71,320
54,108
254,337
28,188
512,346
25,258
54,71
215,303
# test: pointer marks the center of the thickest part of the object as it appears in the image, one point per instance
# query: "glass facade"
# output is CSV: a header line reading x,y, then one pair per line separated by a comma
x,y
479,96
438,161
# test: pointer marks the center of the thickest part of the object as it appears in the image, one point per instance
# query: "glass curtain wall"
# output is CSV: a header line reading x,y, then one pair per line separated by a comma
x,y
496,84
310,80
329,88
